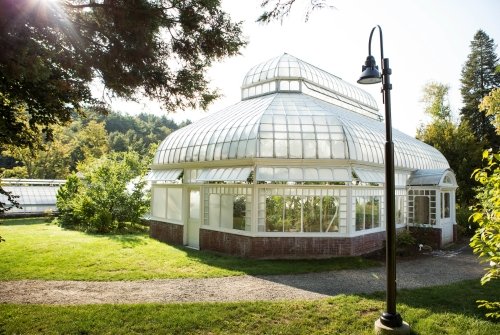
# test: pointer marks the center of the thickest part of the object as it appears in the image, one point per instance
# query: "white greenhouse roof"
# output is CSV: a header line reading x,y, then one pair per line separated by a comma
x,y
434,177
34,195
292,126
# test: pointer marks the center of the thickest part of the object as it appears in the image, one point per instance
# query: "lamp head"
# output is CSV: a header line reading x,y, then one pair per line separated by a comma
x,y
370,74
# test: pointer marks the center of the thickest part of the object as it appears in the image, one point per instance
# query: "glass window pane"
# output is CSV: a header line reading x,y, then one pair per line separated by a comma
x,y
329,217
159,202
445,200
421,210
214,210
174,204
312,214
274,213
360,213
239,211
194,204
226,203
293,208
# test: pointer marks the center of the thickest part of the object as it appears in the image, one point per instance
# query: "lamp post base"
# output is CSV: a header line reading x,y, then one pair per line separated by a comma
x,y
381,329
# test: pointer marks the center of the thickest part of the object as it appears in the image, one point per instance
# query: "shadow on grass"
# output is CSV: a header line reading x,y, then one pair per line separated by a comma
x,y
22,221
258,267
455,298
128,240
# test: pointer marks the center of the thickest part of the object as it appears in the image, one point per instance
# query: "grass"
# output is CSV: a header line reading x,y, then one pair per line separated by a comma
x,y
37,250
440,310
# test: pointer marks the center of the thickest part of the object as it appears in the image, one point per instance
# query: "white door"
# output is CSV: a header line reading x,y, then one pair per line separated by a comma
x,y
193,229
446,232
446,222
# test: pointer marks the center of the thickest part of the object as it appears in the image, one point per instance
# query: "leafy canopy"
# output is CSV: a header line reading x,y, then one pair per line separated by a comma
x,y
53,51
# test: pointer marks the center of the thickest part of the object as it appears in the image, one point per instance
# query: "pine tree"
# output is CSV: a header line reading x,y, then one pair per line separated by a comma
x,y
478,79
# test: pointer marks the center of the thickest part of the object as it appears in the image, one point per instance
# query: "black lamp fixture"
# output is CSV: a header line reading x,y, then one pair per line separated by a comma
x,y
370,74
390,319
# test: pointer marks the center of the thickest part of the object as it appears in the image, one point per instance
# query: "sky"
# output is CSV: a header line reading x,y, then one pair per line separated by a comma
x,y
424,40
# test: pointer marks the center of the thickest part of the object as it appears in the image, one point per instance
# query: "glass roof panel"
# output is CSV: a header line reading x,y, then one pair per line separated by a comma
x,y
234,174
34,195
164,175
216,129
432,177
370,175
302,174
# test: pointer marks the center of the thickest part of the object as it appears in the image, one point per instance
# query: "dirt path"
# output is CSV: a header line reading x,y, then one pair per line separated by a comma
x,y
436,269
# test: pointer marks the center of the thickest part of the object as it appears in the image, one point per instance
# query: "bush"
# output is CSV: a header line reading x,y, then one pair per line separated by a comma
x,y
466,227
486,240
108,197
65,202
405,242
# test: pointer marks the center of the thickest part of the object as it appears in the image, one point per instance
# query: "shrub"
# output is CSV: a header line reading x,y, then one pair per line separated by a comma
x,y
465,226
109,196
405,242
66,200
486,240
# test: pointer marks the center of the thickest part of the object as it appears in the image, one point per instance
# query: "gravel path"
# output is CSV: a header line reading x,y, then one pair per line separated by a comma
x,y
435,269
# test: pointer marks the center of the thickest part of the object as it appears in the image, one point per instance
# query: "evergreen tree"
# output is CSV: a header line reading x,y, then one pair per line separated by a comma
x,y
478,79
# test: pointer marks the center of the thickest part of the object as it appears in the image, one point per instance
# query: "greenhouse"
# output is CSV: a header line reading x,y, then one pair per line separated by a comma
x,y
35,196
295,169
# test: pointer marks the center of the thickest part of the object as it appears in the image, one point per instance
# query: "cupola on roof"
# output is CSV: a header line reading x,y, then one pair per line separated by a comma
x,y
287,73
317,117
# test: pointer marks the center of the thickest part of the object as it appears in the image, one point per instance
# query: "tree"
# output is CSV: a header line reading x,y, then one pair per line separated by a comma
x,y
491,107
452,140
56,158
486,240
479,77
53,52
90,142
279,9
109,197
435,98
48,160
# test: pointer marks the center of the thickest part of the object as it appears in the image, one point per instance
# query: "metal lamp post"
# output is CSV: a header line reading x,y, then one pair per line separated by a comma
x,y
371,75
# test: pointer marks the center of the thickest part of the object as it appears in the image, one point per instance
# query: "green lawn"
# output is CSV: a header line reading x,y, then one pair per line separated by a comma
x,y
37,250
441,310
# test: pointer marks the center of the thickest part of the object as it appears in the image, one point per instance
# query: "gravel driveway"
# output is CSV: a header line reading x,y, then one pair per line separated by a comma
x,y
437,268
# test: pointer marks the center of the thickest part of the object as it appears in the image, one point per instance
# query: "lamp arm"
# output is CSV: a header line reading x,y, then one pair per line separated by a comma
x,y
381,43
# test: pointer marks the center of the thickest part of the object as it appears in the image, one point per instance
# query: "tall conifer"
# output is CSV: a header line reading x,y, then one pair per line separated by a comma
x,y
478,79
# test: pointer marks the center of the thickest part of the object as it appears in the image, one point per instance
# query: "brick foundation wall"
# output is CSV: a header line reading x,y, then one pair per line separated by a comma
x,y
427,235
166,232
290,247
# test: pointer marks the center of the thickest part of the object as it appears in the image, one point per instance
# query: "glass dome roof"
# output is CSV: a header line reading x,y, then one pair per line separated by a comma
x,y
287,73
292,126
